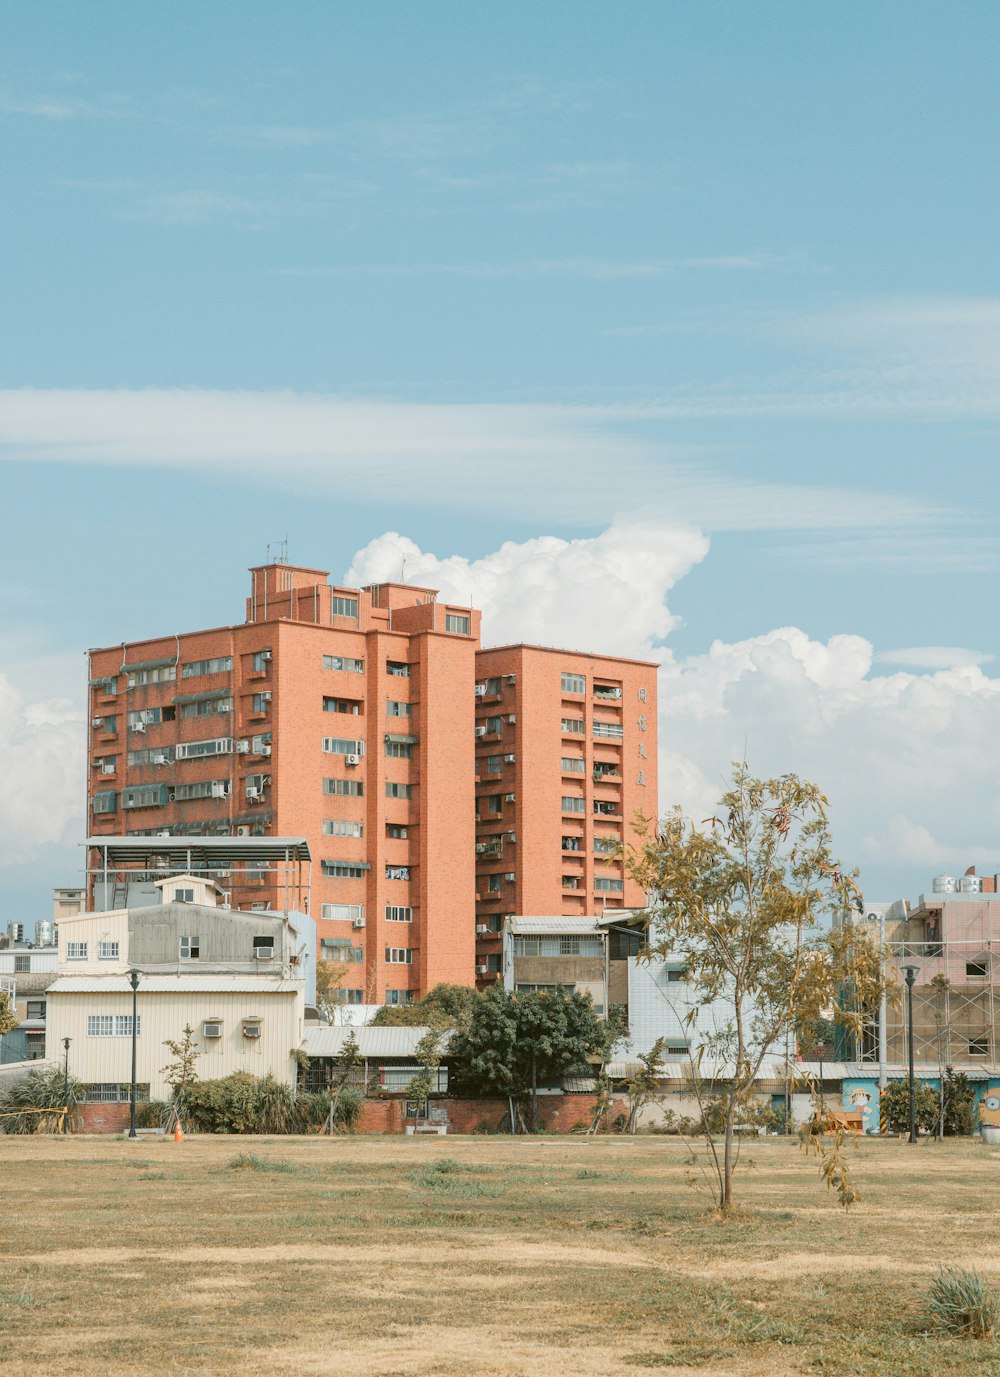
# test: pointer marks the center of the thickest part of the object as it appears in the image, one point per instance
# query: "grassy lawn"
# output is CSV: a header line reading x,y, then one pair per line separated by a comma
x,y
462,1256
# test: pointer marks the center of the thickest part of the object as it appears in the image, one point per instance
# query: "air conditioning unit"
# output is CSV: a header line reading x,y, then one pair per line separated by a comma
x,y
265,697
512,719
510,877
512,836
358,922
480,848
138,726
265,655
482,970
263,953
352,759
220,791
242,747
480,690
159,758
509,759
253,794
480,731
107,769
212,1029
265,749
251,1028
243,831
96,722
482,928
511,678
509,798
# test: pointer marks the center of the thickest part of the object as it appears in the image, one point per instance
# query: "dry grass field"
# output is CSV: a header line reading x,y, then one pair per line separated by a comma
x,y
541,1256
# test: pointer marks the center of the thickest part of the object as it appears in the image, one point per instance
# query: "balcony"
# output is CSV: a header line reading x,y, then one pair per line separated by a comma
x,y
606,810
606,693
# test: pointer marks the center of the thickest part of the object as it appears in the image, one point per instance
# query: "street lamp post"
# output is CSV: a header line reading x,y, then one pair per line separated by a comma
x,y
66,1042
133,980
910,969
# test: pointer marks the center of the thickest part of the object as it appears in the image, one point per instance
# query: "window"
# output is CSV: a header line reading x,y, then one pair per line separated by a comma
x,y
202,788
606,809
572,726
559,946
348,705
337,745
344,662
190,947
458,625
605,886
493,963
340,949
106,764
493,725
979,1047
145,796
222,665
344,607
333,827
399,996
395,708
977,970
22,963
569,946
571,882
398,750
115,1094
571,843
398,913
342,913
107,726
35,1008
344,870
675,974
106,801
397,831
573,765
195,750
261,660
144,717
107,688
574,683
154,674
183,896
490,688
399,790
612,730
260,702
397,872
258,743
76,951
347,996
399,956
112,1026
205,707
603,845
494,764
573,805
157,755
398,667
107,951
491,803
494,884
351,788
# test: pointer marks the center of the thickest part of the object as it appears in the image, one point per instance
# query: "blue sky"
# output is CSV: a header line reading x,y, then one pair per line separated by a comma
x,y
486,274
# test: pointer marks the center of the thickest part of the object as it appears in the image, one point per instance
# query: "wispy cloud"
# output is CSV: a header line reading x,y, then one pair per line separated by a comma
x,y
934,657
592,269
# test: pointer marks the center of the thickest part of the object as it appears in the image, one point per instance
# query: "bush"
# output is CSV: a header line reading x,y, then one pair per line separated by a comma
x,y
958,1101
895,1107
242,1103
152,1113
42,1089
960,1302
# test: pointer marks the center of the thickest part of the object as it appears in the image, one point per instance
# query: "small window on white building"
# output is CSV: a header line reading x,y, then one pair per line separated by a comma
x,y
190,948
76,951
107,951
183,896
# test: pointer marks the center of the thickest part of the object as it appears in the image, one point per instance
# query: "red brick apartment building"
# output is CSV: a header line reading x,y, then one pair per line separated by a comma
x,y
355,718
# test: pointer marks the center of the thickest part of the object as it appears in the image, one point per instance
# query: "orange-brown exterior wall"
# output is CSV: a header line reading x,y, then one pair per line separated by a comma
x,y
531,691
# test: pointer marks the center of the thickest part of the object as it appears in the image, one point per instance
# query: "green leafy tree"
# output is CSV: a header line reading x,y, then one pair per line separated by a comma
x,y
894,1106
8,1020
959,1098
444,1006
428,1053
745,899
643,1086
514,1043
181,1073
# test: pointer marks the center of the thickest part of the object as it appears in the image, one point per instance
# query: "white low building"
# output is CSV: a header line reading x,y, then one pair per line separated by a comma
x,y
239,979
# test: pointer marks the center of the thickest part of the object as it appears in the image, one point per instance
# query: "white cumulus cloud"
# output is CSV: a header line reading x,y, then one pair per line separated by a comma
x,y
42,746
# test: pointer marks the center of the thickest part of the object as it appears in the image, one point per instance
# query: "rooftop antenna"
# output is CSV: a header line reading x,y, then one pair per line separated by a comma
x,y
402,571
280,548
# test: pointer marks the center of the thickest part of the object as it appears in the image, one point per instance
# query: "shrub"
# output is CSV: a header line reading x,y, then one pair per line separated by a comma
x,y
895,1106
960,1302
45,1088
242,1103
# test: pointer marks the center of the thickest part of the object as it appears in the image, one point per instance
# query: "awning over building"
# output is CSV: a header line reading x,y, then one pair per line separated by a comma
x,y
173,852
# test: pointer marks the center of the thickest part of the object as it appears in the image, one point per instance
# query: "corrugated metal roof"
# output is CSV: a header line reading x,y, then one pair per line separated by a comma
x,y
174,984
372,1042
177,850
555,924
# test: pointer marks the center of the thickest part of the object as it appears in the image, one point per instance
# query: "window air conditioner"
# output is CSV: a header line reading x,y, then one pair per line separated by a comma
x,y
512,836
96,722
480,731
481,928
219,791
509,759
512,719
160,758
251,1028
265,698
509,798
138,726
352,759
480,848
265,654
358,922
243,831
212,1029
480,690
253,794
242,747
510,876
107,769
482,970
265,749
263,953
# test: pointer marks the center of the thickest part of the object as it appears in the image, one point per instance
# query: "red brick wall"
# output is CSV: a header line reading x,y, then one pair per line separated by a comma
x,y
556,1113
103,1118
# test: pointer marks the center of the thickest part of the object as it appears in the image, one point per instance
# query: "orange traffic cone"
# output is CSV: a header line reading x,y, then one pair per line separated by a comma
x,y
178,1132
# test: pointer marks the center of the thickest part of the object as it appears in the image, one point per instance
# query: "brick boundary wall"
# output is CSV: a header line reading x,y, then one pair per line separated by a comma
x,y
556,1114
